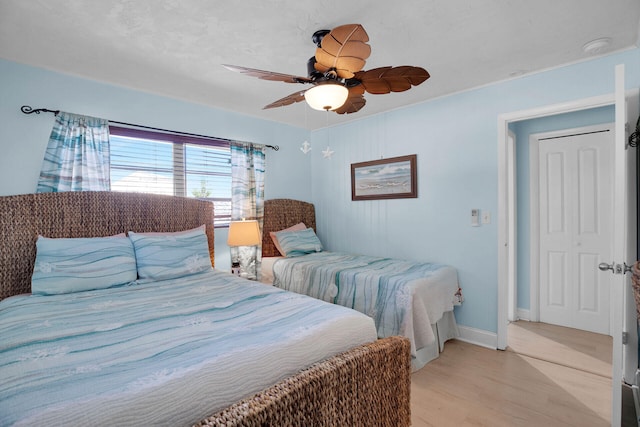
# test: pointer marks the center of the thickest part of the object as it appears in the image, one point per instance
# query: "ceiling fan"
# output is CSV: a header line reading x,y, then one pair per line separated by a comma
x,y
337,80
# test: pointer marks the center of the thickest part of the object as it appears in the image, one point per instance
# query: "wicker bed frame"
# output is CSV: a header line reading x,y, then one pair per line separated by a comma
x,y
284,213
368,385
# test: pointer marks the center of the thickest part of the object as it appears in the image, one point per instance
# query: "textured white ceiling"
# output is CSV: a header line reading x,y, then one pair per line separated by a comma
x,y
176,47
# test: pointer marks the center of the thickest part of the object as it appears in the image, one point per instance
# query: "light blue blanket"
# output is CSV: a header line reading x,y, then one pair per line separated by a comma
x,y
82,358
399,295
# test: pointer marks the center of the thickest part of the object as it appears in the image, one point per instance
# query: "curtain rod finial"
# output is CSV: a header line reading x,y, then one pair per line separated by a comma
x,y
26,109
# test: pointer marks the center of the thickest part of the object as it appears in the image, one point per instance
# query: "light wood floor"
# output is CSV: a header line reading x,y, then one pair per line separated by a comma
x,y
475,386
565,346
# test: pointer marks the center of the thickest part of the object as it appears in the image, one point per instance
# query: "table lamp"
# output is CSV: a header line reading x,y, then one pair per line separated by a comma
x,y
245,235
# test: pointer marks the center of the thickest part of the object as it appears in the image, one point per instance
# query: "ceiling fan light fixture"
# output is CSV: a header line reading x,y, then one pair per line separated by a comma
x,y
328,96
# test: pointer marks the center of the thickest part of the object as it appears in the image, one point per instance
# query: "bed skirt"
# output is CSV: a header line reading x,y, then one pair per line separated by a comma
x,y
367,386
444,329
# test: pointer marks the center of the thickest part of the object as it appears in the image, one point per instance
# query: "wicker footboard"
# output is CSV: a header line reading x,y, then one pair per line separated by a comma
x,y
366,386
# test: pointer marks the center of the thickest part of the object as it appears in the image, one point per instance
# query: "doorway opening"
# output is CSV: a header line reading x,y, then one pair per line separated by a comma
x,y
626,106
507,264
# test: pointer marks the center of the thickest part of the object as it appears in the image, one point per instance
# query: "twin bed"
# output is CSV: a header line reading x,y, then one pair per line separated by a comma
x,y
405,298
177,346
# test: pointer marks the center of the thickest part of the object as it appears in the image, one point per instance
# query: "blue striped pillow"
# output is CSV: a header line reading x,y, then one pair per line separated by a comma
x,y
81,264
297,243
163,256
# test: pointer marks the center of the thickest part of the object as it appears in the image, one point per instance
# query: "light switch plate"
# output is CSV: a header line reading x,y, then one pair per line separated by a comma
x,y
486,217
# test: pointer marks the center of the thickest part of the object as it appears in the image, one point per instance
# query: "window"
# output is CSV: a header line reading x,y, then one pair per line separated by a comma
x,y
161,163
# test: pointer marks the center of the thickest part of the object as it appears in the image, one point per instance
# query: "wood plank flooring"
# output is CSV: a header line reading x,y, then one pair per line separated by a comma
x,y
470,385
565,346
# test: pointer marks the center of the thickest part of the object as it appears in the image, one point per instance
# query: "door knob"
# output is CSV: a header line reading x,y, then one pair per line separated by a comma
x,y
604,266
615,268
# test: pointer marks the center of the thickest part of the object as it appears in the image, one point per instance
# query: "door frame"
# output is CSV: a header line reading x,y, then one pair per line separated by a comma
x,y
512,185
506,212
534,214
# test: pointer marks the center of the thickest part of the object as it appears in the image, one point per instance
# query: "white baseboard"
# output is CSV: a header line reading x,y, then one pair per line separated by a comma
x,y
523,314
478,337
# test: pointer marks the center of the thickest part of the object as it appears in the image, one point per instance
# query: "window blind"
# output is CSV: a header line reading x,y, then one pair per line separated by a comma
x,y
163,163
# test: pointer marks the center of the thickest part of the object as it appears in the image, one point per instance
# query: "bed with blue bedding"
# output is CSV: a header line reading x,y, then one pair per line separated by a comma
x,y
407,298
98,357
177,343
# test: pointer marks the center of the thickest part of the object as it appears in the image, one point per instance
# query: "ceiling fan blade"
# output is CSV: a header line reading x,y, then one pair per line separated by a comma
x,y
354,102
345,49
267,75
287,100
383,80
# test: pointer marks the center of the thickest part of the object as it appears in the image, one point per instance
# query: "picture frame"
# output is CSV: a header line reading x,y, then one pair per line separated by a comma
x,y
392,178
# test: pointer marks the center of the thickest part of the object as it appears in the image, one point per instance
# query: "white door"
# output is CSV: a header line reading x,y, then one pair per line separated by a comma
x,y
575,202
624,253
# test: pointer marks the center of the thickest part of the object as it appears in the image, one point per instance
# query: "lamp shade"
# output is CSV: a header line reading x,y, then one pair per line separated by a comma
x,y
328,96
243,233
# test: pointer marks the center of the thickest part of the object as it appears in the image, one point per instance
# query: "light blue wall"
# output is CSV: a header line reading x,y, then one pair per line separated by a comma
x,y
522,131
23,138
455,139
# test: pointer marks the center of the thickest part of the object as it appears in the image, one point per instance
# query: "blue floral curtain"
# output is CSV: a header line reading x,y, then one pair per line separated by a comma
x,y
247,192
77,156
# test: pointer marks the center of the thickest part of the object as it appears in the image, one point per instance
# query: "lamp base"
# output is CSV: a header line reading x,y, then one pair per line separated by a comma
x,y
245,258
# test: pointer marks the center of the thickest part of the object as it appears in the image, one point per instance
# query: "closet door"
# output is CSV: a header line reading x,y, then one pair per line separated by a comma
x,y
575,200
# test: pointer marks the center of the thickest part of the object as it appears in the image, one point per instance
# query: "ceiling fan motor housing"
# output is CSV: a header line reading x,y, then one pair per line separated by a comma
x,y
311,70
318,36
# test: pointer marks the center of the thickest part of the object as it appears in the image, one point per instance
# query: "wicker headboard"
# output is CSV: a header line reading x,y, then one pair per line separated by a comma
x,y
283,213
85,214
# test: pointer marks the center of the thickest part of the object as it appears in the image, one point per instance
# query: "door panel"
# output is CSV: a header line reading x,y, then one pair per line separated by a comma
x,y
557,282
588,298
555,185
587,191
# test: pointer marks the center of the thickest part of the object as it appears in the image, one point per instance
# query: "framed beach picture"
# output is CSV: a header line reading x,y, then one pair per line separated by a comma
x,y
393,178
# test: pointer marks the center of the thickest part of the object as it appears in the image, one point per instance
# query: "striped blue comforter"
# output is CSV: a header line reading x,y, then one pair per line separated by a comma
x,y
163,353
403,297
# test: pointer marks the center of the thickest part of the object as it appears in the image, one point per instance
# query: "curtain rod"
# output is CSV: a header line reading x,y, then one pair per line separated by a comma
x,y
26,109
